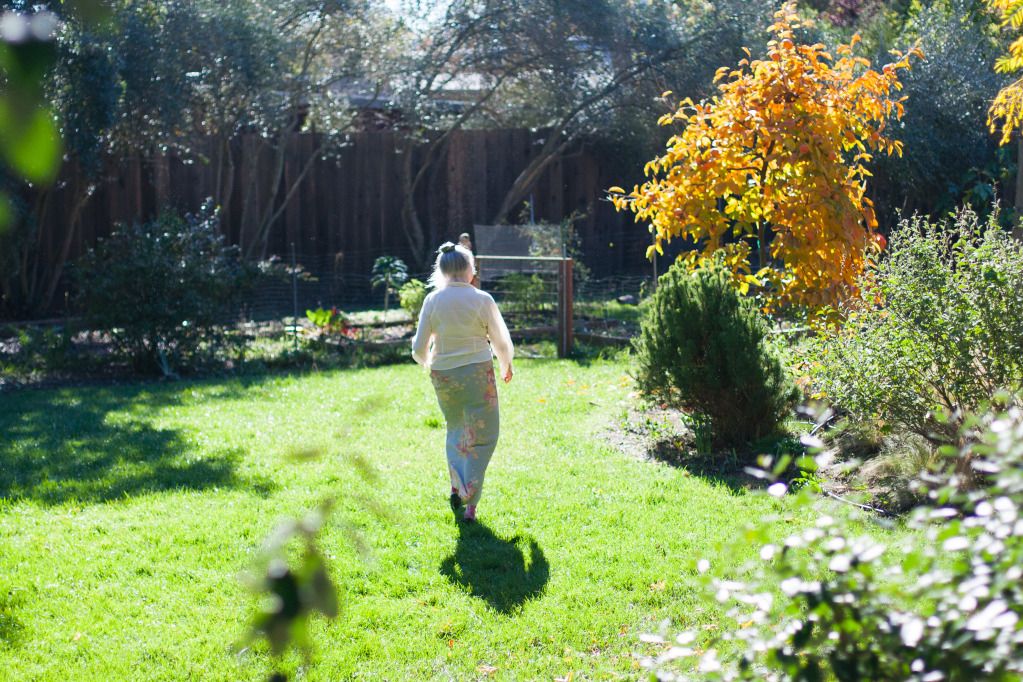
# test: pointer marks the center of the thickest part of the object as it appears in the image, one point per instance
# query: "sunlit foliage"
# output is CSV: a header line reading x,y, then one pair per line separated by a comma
x,y
777,161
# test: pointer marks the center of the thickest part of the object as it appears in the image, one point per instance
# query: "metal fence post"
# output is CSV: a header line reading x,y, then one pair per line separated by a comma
x,y
294,298
565,315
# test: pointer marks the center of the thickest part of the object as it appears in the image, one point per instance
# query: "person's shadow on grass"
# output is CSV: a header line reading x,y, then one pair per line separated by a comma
x,y
497,570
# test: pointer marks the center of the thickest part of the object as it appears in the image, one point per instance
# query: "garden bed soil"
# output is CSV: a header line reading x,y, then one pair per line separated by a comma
x,y
89,358
658,434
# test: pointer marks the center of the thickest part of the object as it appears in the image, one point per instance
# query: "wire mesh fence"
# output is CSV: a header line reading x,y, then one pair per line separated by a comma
x,y
308,281
526,291
525,299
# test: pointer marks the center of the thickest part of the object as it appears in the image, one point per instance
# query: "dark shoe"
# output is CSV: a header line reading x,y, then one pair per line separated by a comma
x,y
455,501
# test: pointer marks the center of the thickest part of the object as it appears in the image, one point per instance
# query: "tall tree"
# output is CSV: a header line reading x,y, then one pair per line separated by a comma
x,y
1006,114
82,96
601,59
569,69
325,43
776,162
950,158
460,41
162,75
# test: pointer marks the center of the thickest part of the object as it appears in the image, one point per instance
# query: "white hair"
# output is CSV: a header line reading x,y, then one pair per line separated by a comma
x,y
452,261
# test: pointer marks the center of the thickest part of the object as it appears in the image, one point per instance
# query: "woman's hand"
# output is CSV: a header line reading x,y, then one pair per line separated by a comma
x,y
507,374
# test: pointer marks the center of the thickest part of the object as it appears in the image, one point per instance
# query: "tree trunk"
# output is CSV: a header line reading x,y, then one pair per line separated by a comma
x,y
258,246
65,250
161,180
249,190
224,200
529,177
218,183
1017,230
762,253
413,226
291,192
31,258
225,175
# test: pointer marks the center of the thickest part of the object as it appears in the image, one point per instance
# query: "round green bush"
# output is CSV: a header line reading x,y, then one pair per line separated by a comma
x,y
411,296
937,331
703,349
164,290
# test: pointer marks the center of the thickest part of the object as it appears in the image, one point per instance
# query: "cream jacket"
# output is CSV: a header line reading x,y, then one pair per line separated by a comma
x,y
460,325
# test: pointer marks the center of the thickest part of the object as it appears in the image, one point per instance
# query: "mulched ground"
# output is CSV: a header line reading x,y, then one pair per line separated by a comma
x,y
662,435
89,358
657,434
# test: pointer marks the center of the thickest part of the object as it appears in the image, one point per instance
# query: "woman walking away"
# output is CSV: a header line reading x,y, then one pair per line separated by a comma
x,y
459,327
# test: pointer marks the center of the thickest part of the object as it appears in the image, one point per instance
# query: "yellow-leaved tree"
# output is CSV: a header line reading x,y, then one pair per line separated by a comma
x,y
776,163
1007,109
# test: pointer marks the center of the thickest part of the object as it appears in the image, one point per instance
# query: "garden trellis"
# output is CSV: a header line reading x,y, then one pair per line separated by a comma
x,y
526,269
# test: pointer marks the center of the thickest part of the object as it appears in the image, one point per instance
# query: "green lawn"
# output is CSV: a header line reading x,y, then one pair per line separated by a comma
x,y
127,514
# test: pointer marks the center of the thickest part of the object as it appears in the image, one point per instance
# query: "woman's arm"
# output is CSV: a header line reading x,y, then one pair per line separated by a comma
x,y
500,339
424,335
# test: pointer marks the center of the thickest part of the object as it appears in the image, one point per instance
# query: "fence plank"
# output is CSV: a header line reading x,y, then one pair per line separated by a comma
x,y
350,202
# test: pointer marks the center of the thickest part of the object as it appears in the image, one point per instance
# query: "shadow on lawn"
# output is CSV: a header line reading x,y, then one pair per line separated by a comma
x,y
10,627
495,569
658,434
96,445
721,469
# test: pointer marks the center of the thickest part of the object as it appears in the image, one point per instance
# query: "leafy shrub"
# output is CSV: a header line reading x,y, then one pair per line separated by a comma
x,y
330,323
411,296
390,273
46,347
36,351
161,289
938,329
945,605
525,292
704,348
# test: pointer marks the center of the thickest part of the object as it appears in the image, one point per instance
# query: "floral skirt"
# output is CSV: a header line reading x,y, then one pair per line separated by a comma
x,y
468,399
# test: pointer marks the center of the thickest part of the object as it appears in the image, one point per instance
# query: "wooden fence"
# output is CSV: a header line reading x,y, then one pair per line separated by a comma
x,y
348,204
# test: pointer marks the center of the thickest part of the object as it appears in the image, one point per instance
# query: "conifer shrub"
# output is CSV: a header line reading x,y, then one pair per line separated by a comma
x,y
704,349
